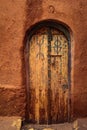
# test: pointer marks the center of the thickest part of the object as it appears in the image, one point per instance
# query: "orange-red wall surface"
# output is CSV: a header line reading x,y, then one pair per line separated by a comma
x,y
16,17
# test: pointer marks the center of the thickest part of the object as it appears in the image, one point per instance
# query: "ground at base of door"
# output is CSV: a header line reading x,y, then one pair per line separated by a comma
x,y
15,123
79,124
65,126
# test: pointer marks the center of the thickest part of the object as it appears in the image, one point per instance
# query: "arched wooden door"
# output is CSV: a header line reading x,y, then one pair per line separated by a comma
x,y
48,77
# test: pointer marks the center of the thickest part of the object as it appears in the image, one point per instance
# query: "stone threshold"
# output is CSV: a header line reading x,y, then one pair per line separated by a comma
x,y
15,123
10,123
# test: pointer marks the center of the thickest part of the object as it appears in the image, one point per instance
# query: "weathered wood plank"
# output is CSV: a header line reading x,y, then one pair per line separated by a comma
x,y
38,77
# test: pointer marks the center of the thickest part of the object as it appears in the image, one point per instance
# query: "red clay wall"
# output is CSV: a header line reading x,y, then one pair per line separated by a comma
x,y
18,16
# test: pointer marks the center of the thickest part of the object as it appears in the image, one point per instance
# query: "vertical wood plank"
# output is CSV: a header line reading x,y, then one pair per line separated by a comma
x,y
59,78
38,78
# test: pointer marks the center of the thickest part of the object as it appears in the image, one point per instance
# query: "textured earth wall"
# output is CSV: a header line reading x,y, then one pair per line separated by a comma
x,y
16,17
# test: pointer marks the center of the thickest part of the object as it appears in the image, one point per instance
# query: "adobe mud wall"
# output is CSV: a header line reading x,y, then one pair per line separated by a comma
x,y
16,17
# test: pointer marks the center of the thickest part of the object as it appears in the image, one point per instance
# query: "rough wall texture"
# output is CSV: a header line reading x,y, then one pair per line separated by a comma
x,y
18,16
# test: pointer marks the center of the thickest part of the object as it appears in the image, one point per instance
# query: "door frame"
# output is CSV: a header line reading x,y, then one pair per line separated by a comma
x,y
28,36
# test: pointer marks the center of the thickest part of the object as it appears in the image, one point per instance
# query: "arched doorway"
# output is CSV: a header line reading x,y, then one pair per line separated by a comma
x,y
48,74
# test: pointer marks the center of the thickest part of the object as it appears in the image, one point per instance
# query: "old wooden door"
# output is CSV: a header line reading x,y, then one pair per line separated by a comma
x,y
48,77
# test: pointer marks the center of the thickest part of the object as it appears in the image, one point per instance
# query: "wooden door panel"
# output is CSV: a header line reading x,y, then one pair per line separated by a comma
x,y
38,78
48,77
59,78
